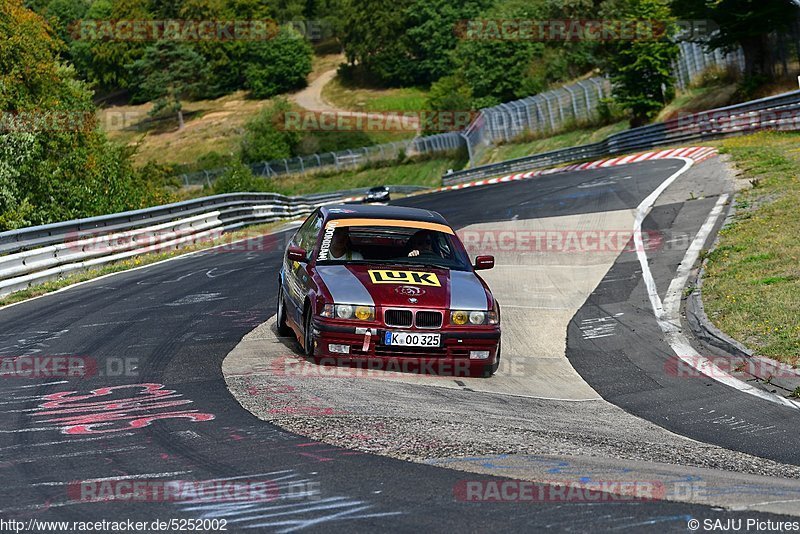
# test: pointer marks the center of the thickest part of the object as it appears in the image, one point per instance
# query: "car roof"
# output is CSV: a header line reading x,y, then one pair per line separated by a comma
x,y
371,211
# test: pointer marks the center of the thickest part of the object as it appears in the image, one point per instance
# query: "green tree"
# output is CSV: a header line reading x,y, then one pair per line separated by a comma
x,y
227,59
496,69
265,138
170,73
407,42
432,34
62,172
450,93
278,65
239,178
62,14
745,23
371,38
641,69
105,63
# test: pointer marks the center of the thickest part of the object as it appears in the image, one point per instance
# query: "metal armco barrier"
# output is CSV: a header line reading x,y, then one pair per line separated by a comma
x,y
780,112
33,255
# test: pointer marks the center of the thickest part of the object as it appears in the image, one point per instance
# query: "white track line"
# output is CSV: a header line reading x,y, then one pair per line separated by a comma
x,y
668,313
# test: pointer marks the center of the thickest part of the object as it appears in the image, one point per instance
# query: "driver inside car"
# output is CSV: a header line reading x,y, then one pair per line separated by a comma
x,y
341,247
420,243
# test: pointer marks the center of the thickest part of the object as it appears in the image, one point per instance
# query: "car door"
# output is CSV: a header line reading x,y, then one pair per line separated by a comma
x,y
297,276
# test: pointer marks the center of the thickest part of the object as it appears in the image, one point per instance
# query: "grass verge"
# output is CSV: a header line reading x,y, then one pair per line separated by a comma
x,y
414,171
751,288
144,259
352,98
425,173
538,144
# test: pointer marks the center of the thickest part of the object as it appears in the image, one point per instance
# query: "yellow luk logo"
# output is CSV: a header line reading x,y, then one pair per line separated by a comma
x,y
404,277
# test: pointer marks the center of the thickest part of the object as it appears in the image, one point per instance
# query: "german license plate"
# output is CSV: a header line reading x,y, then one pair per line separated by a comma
x,y
412,339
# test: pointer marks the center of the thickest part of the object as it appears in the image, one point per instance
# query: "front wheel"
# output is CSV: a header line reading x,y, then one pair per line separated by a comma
x,y
491,369
308,335
283,328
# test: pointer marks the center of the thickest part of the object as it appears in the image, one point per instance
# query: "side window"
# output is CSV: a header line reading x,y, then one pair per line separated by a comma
x,y
307,235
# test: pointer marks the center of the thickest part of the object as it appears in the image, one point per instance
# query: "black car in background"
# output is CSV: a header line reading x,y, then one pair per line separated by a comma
x,y
377,194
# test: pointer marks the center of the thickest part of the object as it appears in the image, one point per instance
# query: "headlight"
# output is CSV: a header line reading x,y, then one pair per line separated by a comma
x,y
459,317
474,317
477,317
348,311
365,313
344,311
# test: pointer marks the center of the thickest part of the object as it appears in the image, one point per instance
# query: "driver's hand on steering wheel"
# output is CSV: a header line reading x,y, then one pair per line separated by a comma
x,y
413,254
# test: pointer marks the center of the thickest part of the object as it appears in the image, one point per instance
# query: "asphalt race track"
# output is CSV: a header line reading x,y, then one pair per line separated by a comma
x,y
158,337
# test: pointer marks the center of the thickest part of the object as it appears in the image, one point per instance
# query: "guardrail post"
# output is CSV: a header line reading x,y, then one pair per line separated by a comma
x,y
469,149
549,112
508,127
539,113
528,115
589,112
574,105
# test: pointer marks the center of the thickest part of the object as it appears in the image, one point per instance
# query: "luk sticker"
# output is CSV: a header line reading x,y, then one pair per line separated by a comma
x,y
404,277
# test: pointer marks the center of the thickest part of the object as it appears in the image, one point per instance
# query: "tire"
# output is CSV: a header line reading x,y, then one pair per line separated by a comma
x,y
283,328
489,370
308,336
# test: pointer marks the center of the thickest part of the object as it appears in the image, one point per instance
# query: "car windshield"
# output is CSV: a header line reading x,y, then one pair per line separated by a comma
x,y
393,245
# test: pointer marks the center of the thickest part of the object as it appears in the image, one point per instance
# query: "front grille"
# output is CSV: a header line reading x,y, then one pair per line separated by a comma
x,y
401,318
429,319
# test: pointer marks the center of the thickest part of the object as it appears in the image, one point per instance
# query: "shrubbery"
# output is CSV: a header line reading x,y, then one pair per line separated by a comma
x,y
279,65
68,171
267,67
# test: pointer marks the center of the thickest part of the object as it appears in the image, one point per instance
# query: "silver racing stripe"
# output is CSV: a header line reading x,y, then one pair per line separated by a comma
x,y
466,292
343,285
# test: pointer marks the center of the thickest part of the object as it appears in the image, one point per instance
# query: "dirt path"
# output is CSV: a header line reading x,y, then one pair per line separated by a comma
x,y
311,99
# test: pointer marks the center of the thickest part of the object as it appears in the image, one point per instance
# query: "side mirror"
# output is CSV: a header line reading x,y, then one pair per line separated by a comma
x,y
484,262
296,254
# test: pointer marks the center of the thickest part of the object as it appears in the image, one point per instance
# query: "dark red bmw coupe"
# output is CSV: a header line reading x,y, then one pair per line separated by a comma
x,y
381,284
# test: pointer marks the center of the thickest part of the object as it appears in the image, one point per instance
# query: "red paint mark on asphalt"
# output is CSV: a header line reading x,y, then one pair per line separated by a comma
x,y
84,414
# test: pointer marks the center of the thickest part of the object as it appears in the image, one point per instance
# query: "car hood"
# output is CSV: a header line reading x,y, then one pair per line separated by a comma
x,y
382,285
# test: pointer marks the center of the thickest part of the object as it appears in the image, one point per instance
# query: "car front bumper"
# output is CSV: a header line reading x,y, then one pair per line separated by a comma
x,y
452,358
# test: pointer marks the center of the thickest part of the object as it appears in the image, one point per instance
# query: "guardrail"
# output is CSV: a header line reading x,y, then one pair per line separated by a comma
x,y
780,112
33,255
